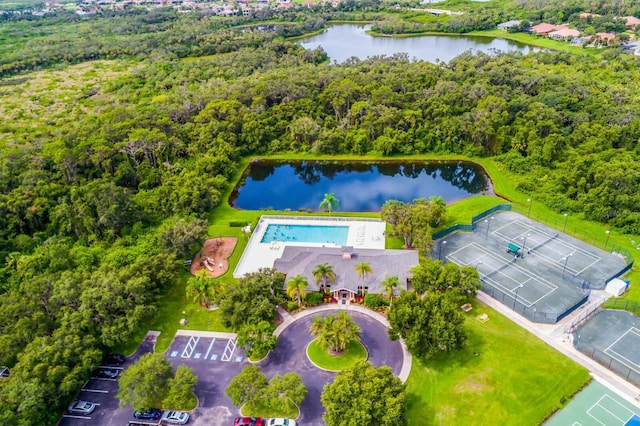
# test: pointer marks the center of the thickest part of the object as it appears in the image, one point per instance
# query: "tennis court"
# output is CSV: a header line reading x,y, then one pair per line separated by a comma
x,y
613,339
525,286
548,247
531,268
596,405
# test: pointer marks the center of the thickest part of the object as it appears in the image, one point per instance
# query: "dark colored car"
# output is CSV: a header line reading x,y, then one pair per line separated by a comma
x,y
150,414
106,373
113,359
249,421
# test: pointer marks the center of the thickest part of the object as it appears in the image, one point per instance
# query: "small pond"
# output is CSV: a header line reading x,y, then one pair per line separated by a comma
x,y
343,41
359,186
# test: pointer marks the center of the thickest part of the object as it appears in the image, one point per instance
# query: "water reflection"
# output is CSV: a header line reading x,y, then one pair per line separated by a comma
x,y
360,186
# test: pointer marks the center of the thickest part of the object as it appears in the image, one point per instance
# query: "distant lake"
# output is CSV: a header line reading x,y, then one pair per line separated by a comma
x,y
360,186
343,41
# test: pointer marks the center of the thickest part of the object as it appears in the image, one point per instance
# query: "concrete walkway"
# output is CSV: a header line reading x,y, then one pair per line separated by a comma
x,y
289,319
554,335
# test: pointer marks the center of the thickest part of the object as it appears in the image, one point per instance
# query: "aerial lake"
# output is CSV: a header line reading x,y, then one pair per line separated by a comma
x,y
343,41
359,186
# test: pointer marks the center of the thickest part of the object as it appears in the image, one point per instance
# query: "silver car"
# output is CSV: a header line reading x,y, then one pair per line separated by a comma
x,y
175,417
82,407
282,422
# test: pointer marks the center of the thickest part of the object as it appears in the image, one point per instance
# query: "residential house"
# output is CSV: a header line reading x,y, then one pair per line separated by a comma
x,y
631,21
544,29
509,24
580,41
608,38
564,34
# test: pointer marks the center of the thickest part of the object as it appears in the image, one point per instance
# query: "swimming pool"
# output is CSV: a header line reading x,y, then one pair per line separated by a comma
x,y
306,234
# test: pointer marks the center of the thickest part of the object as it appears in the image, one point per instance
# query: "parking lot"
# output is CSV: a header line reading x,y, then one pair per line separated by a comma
x,y
215,360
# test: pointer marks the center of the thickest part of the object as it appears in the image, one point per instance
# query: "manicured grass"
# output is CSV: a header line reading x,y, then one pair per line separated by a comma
x,y
515,378
538,41
259,410
319,355
167,319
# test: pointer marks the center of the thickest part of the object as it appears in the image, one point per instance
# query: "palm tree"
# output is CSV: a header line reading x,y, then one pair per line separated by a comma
x,y
323,273
390,284
330,202
296,288
335,332
199,287
363,268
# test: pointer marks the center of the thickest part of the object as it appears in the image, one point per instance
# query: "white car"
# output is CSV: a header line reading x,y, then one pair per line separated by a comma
x,y
82,407
282,422
175,417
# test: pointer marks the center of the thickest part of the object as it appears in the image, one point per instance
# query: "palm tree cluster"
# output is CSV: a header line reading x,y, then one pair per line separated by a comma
x,y
335,332
204,289
323,273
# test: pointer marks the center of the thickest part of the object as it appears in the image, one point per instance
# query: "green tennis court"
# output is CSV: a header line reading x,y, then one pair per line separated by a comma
x,y
597,405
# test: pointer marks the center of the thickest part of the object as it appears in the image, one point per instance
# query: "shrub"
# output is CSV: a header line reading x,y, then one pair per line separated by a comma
x,y
292,306
313,298
373,300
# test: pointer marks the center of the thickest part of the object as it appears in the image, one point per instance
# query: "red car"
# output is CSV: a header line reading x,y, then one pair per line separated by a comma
x,y
249,421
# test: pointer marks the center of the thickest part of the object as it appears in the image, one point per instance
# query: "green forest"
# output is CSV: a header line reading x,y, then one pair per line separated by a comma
x,y
120,133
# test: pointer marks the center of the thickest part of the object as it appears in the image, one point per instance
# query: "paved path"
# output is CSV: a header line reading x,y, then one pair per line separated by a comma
x,y
553,334
289,319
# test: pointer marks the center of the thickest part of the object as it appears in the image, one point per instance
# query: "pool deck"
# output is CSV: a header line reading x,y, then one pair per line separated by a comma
x,y
363,233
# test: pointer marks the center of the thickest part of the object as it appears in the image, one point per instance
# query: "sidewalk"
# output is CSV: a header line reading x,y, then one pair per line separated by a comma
x,y
553,334
288,319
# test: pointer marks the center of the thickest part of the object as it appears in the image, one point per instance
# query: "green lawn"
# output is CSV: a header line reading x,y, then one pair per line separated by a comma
x,y
259,410
537,41
515,378
319,355
167,320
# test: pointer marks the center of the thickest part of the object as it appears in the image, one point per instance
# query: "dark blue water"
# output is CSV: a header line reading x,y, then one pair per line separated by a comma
x,y
359,186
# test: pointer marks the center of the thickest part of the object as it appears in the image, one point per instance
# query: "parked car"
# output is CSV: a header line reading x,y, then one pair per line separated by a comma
x,y
106,373
175,417
281,422
249,421
150,414
82,407
113,359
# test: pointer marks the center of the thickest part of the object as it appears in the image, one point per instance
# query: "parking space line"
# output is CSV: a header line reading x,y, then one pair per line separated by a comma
x,y
210,346
191,345
71,416
229,350
94,390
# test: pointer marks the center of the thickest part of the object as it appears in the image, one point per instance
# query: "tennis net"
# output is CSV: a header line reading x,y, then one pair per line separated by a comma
x,y
553,237
499,268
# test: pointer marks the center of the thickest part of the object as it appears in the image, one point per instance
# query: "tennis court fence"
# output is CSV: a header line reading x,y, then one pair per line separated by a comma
x,y
623,304
607,360
528,312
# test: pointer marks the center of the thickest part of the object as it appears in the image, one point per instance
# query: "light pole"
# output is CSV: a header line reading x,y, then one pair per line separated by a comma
x,y
529,212
566,259
607,241
442,243
524,244
566,219
515,299
488,222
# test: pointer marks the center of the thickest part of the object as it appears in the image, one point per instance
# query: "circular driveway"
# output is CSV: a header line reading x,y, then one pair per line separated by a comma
x,y
290,355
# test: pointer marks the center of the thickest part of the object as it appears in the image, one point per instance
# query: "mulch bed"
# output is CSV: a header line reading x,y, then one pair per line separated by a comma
x,y
213,256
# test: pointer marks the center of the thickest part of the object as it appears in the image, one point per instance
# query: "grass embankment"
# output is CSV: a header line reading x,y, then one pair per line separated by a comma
x,y
504,376
538,41
319,355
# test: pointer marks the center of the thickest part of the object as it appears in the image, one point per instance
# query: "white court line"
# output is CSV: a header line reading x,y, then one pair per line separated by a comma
x,y
576,424
210,346
562,242
598,403
476,247
621,358
556,261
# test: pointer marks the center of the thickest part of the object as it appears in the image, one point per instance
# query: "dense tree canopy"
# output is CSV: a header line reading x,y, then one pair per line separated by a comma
x,y
105,180
364,395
